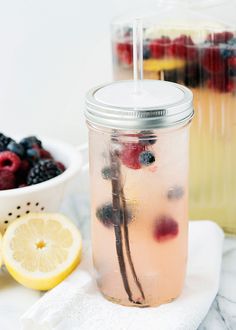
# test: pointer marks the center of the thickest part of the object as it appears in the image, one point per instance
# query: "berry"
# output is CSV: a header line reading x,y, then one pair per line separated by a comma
x,y
4,141
226,51
192,53
146,52
43,153
171,75
7,179
9,161
146,158
232,62
42,171
212,60
61,166
147,138
165,229
232,42
130,155
30,141
232,65
21,179
105,215
220,37
192,75
32,155
21,174
128,31
24,166
183,47
221,83
125,53
192,81
16,148
232,72
175,192
159,47
106,173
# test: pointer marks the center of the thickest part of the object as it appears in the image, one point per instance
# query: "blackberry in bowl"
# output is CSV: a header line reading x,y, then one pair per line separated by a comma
x,y
38,180
28,161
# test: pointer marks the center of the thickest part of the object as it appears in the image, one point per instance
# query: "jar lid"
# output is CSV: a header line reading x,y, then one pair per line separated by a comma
x,y
156,104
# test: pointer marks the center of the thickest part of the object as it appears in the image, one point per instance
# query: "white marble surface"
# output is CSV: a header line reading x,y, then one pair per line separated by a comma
x,y
222,314
15,300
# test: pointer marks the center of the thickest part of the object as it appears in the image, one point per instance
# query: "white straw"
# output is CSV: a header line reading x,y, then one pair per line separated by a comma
x,y
137,53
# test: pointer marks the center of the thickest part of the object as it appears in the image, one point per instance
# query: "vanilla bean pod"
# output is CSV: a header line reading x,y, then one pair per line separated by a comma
x,y
127,245
115,181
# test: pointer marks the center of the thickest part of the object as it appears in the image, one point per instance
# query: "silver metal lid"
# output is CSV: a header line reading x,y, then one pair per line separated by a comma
x,y
157,104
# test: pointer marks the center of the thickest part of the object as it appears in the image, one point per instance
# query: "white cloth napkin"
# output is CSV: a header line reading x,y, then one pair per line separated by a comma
x,y
76,303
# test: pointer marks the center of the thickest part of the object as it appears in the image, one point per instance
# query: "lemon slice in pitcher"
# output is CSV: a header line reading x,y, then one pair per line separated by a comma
x,y
41,249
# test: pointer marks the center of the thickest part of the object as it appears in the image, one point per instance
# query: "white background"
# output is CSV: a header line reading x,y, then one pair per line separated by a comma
x,y
51,53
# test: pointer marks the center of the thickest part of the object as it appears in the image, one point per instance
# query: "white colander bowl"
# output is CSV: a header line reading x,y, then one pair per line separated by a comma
x,y
46,196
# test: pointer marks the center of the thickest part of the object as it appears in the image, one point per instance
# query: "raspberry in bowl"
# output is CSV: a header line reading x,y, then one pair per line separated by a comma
x,y
34,175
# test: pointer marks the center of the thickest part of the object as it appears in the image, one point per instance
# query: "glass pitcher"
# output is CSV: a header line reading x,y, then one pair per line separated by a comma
x,y
194,43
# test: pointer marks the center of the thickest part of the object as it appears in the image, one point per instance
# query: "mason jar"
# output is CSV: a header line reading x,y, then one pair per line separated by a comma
x,y
138,147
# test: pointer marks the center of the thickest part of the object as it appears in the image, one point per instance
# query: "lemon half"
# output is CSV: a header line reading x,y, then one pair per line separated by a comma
x,y
41,249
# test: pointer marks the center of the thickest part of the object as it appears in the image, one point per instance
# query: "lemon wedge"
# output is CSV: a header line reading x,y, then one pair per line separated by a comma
x,y
41,249
163,64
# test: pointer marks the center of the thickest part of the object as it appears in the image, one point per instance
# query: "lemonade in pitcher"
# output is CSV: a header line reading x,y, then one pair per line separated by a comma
x,y
185,42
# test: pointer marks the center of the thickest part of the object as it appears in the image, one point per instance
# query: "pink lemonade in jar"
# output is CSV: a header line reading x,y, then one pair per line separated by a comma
x,y
139,185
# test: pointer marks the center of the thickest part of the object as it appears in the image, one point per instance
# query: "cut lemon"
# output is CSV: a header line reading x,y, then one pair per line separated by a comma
x,y
162,64
41,249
